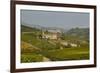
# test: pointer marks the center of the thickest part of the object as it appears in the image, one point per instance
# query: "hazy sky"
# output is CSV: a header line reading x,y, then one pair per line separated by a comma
x,y
55,19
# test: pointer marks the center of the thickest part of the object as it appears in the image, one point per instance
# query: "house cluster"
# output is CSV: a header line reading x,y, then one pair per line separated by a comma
x,y
56,35
51,34
65,43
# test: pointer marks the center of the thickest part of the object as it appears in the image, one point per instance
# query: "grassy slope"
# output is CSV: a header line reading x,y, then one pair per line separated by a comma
x,y
68,54
27,29
47,49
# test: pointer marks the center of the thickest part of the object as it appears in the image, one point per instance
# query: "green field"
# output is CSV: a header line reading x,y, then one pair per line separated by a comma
x,y
35,49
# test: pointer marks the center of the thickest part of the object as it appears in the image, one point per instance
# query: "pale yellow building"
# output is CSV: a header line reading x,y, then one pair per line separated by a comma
x,y
51,34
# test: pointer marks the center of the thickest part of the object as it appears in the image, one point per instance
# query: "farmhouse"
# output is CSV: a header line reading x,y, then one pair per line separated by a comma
x,y
51,34
65,43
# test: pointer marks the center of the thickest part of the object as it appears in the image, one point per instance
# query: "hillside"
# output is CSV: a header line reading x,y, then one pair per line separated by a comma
x,y
77,34
28,29
78,31
37,49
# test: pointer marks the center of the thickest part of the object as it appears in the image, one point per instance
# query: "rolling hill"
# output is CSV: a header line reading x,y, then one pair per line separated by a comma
x,y
28,29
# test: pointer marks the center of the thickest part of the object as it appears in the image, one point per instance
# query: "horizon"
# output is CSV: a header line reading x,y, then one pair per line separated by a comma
x,y
54,28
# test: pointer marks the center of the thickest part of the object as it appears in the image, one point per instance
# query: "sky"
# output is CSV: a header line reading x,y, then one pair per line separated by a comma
x,y
57,19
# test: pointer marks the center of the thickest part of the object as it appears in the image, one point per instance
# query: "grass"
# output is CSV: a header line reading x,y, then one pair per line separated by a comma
x,y
31,57
40,43
67,54
51,51
56,55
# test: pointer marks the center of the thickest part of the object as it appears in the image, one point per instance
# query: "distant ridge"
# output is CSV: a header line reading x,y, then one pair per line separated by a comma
x,y
28,29
68,31
42,27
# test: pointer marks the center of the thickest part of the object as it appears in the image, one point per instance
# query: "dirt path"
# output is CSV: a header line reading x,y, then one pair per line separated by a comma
x,y
32,45
45,59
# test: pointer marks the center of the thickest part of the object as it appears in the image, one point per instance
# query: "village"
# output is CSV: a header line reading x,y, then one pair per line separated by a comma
x,y
56,36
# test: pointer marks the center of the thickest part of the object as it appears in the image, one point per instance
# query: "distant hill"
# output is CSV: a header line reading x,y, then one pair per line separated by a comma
x,y
79,33
28,29
39,27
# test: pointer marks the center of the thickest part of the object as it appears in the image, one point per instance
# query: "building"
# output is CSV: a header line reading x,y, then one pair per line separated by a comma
x,y
51,34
